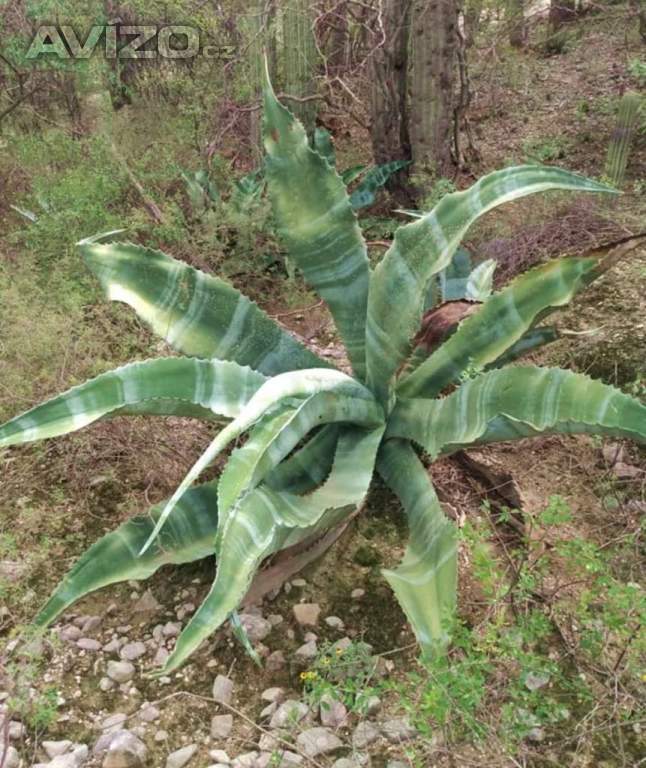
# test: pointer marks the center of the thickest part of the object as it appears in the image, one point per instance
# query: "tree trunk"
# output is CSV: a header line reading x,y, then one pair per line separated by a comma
x,y
339,45
433,88
516,22
561,12
261,40
299,61
389,94
639,8
472,14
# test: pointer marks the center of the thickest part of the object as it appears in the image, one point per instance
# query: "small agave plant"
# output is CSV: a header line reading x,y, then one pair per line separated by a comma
x,y
316,436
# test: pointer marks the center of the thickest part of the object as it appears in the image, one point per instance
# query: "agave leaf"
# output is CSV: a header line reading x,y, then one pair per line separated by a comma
x,y
189,536
501,321
181,386
480,281
318,225
197,314
424,247
366,191
356,405
324,146
350,174
518,402
425,582
528,342
262,524
307,467
247,189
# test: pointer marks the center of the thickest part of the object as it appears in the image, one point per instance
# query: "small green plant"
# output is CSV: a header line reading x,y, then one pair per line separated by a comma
x,y
546,150
317,435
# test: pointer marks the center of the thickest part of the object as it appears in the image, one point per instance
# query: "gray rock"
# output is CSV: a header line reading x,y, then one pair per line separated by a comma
x,y
318,741
397,764
536,734
171,629
534,681
335,622
91,624
275,661
299,583
120,671
220,756
221,726
248,760
147,603
180,757
70,633
332,712
88,644
105,684
398,730
223,689
307,650
113,646
161,735
16,730
288,714
12,758
74,759
373,705
307,614
256,627
272,694
149,713
185,610
268,711
55,748
357,594
345,762
289,759
113,722
364,734
160,657
132,651
125,751
275,619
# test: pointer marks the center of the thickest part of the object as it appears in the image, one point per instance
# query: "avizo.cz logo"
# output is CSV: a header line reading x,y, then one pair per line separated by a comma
x,y
175,41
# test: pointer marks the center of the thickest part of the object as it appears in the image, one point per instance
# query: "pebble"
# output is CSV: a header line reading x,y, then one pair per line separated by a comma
x,y
91,624
161,735
256,627
223,689
398,730
221,726
275,619
147,603
185,610
275,661
335,622
318,741
55,748
299,583
74,759
132,651
307,650
125,751
120,671
357,594
160,657
364,734
345,762
248,760
88,644
272,694
113,646
113,722
105,684
290,712
180,757
268,711
171,629
220,756
373,705
332,712
307,614
11,758
149,713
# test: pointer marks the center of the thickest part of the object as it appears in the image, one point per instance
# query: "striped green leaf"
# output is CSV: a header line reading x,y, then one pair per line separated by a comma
x,y
263,523
189,536
198,314
365,193
307,467
424,247
167,386
529,342
317,224
347,400
518,402
501,322
324,145
426,581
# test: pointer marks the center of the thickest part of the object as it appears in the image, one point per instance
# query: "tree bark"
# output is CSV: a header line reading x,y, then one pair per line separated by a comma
x,y
389,94
433,88
561,12
516,21
299,60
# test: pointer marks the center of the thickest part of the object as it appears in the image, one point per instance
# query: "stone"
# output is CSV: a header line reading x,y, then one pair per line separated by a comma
x,y
70,633
398,730
11,758
289,713
268,711
160,657
149,713
120,671
299,583
536,734
373,705
185,610
147,603
332,712
273,694
105,684
307,650
180,757
536,680
113,722
16,730
256,627
161,735
318,741
289,759
91,624
275,661
335,622
125,751
171,629
55,748
221,726
268,743
397,764
357,594
344,762
223,689
364,734
220,756
275,619
132,651
248,760
88,644
307,614
74,759
113,646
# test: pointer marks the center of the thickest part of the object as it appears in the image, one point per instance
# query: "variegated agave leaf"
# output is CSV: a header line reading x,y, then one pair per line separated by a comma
x,y
267,520
317,224
424,247
167,386
517,402
197,314
500,323
425,582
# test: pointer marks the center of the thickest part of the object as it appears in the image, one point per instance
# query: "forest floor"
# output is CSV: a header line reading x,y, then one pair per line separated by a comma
x,y
547,668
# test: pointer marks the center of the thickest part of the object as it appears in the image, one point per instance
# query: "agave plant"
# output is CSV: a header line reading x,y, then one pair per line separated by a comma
x,y
315,435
